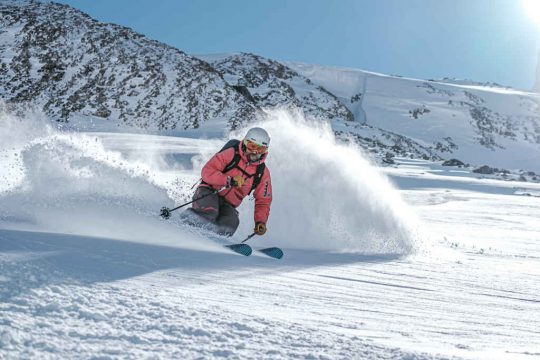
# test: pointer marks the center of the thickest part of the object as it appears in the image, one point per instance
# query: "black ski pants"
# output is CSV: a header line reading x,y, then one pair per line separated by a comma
x,y
212,212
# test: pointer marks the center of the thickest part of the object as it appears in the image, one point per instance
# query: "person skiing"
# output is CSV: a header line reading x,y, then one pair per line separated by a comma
x,y
235,171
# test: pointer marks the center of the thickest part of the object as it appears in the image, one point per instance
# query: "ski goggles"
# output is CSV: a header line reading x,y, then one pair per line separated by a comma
x,y
253,147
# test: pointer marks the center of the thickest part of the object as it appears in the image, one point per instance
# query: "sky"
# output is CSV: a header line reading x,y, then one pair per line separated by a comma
x,y
482,40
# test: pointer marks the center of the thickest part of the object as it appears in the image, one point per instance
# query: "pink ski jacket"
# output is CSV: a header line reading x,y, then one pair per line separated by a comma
x,y
213,176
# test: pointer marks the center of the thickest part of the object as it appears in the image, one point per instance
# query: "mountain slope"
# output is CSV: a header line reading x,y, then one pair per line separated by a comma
x,y
272,84
68,64
490,125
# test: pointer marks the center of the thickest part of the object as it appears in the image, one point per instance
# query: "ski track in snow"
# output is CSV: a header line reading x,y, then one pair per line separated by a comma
x,y
106,279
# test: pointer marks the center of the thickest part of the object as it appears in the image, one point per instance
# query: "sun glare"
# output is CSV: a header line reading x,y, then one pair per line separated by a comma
x,y
532,8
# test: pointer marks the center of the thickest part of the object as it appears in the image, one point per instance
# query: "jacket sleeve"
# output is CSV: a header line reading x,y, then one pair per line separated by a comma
x,y
263,198
212,171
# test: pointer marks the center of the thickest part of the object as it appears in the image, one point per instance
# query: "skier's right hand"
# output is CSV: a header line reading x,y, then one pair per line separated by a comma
x,y
260,228
237,181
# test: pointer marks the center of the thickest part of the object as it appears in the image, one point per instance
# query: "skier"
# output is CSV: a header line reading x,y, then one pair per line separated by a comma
x,y
237,169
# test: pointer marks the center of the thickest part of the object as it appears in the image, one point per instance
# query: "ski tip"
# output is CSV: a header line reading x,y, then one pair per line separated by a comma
x,y
273,252
242,249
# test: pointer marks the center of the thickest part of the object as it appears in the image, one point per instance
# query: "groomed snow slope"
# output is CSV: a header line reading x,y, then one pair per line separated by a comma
x,y
88,269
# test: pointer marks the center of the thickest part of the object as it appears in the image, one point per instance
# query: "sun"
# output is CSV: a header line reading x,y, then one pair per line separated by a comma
x,y
532,8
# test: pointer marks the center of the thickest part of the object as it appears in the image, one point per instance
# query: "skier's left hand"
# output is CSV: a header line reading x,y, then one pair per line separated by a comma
x,y
260,228
237,181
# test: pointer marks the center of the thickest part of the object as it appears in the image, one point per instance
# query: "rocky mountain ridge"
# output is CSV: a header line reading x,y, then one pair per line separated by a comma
x,y
69,64
271,84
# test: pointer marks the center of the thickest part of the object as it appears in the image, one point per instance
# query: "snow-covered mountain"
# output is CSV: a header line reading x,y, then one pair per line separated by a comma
x,y
75,68
272,84
68,64
430,119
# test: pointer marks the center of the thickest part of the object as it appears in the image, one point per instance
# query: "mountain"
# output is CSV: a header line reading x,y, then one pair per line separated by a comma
x,y
69,64
271,84
437,120
79,70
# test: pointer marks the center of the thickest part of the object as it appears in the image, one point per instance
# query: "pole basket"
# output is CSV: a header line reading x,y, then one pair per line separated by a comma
x,y
165,213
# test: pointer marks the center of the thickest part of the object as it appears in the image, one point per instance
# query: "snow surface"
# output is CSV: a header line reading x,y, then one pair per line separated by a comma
x,y
414,261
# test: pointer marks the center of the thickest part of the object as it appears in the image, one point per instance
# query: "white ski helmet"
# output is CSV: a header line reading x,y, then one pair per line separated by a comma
x,y
258,136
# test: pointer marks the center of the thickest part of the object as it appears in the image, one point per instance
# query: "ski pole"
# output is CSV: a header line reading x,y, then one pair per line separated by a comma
x,y
166,212
249,237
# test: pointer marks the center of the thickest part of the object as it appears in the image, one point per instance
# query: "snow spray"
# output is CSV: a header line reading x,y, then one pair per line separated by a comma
x,y
67,182
326,195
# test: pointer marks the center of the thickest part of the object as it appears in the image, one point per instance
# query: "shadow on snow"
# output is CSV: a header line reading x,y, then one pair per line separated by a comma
x,y
30,260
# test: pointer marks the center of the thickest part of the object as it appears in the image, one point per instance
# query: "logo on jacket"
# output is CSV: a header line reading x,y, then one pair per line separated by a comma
x,y
265,189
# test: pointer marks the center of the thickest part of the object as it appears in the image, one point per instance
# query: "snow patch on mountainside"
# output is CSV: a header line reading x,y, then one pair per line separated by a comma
x,y
480,125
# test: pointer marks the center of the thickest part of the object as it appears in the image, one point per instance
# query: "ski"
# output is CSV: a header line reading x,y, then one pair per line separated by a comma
x,y
273,252
246,250
242,249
